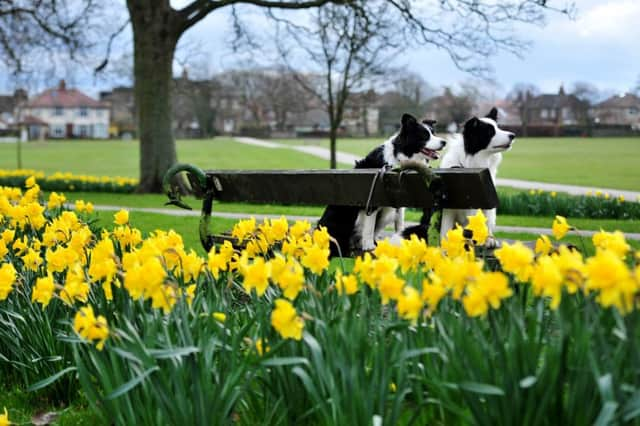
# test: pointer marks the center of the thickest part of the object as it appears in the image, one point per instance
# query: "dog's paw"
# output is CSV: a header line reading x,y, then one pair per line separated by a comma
x,y
368,246
492,243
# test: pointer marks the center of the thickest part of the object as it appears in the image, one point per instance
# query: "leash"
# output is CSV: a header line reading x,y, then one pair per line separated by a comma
x,y
368,208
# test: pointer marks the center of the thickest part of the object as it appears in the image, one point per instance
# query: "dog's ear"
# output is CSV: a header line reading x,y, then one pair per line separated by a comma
x,y
471,123
493,114
408,118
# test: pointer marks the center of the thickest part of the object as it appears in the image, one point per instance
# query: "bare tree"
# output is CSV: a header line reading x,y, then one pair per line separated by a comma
x,y
521,96
586,91
411,86
283,95
38,37
343,47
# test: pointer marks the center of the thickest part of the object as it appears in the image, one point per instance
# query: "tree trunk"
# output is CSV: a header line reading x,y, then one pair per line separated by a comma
x,y
154,47
333,136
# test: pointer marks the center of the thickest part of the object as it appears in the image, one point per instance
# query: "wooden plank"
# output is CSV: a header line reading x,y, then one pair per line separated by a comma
x,y
462,188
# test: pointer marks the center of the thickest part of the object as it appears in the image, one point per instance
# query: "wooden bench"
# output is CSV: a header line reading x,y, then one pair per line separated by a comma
x,y
366,188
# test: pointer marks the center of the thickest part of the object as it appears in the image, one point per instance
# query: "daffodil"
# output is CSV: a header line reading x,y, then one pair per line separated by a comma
x,y
543,245
43,290
299,228
243,229
7,280
454,243
611,278
256,276
613,241
346,284
410,304
516,259
91,328
219,316
433,291
560,227
546,279
4,418
316,258
286,321
478,226
121,217
390,287
411,253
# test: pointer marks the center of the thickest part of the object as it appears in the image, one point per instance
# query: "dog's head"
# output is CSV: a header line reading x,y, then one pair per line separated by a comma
x,y
417,141
483,134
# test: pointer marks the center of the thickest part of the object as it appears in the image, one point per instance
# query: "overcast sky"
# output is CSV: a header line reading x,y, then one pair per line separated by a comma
x,y
601,46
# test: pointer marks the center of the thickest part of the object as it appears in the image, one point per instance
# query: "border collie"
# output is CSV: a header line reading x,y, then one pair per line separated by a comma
x,y
350,226
481,146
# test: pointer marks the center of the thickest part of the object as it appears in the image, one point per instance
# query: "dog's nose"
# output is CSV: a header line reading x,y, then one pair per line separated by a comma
x,y
512,136
444,143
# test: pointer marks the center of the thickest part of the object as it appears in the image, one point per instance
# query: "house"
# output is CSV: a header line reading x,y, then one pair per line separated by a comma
x,y
622,110
68,113
556,110
122,111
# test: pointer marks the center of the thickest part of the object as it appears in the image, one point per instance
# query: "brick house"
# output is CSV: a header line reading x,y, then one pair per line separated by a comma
x,y
68,113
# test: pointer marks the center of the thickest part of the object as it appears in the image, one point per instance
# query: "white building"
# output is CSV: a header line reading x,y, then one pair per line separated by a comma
x,y
68,113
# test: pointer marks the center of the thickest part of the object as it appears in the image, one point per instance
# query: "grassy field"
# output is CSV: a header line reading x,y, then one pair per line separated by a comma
x,y
120,158
603,162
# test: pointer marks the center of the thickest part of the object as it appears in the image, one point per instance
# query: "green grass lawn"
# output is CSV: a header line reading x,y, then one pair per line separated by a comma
x,y
605,162
121,158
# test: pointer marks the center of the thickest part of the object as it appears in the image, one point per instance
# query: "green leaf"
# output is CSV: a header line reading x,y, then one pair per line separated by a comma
x,y
132,383
173,353
606,413
128,355
631,409
481,388
528,381
49,380
278,362
422,351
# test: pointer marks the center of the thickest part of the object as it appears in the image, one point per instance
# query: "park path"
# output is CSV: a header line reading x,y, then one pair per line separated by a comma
x,y
349,159
177,212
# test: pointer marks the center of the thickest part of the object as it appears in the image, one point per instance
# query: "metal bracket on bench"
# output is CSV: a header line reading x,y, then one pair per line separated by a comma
x,y
197,178
199,184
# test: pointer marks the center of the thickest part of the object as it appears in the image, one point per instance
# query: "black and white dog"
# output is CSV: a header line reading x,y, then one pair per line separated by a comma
x,y
481,146
350,226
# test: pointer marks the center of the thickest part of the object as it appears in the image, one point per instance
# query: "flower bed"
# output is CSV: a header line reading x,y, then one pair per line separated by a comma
x,y
592,205
276,334
69,182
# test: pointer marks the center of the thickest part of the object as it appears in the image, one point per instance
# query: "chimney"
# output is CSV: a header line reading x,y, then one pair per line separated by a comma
x,y
62,85
561,91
